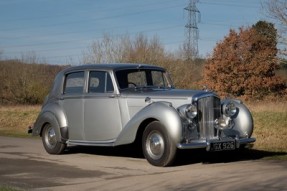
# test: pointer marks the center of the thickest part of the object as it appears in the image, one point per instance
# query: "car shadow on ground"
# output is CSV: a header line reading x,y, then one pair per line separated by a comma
x,y
119,151
184,157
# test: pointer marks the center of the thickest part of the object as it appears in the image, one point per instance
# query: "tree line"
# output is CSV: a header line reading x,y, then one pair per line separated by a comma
x,y
22,83
243,65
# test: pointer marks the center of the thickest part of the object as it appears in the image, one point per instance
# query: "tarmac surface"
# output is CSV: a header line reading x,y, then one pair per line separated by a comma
x,y
24,164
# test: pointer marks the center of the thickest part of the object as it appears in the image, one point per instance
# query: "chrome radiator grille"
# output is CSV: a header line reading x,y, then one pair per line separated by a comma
x,y
209,110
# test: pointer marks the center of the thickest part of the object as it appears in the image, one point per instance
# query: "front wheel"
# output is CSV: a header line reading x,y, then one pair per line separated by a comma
x,y
158,149
50,142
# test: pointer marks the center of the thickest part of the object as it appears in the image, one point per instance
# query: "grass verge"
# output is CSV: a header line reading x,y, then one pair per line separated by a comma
x,y
15,120
8,188
270,128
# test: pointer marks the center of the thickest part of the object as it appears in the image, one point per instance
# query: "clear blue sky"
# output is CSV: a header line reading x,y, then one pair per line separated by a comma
x,y
60,30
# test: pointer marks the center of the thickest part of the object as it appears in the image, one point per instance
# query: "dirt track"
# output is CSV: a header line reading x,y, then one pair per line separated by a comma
x,y
25,164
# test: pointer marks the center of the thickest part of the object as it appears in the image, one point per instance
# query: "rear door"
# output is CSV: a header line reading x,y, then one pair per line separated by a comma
x,y
73,103
102,119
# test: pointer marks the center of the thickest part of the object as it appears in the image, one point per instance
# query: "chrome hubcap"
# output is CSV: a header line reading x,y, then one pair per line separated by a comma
x,y
155,145
50,137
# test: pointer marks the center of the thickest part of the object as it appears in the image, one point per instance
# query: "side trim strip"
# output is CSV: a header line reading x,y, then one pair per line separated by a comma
x,y
109,143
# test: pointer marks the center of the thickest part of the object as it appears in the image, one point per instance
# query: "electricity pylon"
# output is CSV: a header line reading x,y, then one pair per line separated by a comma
x,y
191,30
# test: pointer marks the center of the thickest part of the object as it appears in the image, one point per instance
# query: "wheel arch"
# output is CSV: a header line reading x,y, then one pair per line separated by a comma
x,y
53,114
142,127
47,118
156,111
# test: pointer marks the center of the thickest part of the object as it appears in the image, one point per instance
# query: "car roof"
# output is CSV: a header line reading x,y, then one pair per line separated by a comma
x,y
112,67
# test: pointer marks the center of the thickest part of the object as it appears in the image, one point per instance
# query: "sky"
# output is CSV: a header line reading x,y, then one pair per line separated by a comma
x,y
60,31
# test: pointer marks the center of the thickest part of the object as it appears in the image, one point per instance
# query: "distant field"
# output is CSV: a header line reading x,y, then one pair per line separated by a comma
x,y
270,121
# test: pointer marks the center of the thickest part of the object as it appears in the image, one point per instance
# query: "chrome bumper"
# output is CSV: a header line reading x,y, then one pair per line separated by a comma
x,y
197,144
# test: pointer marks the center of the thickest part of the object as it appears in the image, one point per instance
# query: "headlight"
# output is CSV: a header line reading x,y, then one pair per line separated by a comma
x,y
191,111
229,109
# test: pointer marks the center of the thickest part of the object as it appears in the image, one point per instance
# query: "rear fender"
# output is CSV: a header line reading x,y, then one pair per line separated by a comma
x,y
53,115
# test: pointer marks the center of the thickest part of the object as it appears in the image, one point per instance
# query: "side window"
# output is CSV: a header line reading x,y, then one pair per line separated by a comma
x,y
100,82
158,79
74,83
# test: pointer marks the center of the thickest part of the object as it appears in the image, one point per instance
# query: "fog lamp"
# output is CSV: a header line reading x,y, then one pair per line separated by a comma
x,y
222,123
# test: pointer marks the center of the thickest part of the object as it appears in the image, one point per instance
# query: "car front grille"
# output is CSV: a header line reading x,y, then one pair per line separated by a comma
x,y
209,110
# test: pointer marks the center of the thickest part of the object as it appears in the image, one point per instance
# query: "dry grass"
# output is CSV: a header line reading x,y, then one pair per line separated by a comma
x,y
14,120
270,129
268,107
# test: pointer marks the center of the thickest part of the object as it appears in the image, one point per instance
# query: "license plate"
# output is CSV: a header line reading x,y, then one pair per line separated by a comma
x,y
222,146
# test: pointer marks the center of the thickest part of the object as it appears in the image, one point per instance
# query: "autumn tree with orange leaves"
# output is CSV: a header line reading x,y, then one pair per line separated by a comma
x,y
244,64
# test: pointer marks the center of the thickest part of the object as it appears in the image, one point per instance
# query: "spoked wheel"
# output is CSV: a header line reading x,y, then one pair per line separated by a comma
x,y
50,142
158,149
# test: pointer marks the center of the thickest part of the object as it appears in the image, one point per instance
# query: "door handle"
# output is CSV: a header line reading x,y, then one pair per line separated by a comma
x,y
112,96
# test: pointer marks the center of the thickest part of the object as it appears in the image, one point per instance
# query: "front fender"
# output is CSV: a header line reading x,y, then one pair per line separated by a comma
x,y
243,121
163,112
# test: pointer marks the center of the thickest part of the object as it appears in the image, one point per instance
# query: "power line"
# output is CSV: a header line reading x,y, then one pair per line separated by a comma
x,y
78,42
229,4
92,20
89,39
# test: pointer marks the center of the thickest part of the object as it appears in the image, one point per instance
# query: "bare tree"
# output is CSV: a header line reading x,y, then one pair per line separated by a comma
x,y
144,50
277,10
1,52
111,49
141,49
106,50
29,57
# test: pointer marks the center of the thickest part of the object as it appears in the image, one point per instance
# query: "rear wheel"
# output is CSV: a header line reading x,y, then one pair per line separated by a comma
x,y
50,142
158,149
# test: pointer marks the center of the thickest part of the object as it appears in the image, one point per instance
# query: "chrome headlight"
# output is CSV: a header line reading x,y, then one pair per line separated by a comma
x,y
229,109
191,111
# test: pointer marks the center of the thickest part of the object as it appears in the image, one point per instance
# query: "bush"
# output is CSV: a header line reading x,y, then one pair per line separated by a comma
x,y
23,83
244,64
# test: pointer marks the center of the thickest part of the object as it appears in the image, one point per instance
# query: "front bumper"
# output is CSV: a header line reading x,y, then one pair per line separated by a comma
x,y
197,144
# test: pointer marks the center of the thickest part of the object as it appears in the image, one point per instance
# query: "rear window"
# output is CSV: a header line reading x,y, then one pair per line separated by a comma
x,y
74,83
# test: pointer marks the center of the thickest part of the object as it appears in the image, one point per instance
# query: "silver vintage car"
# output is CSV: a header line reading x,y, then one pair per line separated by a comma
x,y
118,104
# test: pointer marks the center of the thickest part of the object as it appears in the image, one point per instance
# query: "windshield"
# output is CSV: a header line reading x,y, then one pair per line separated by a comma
x,y
136,78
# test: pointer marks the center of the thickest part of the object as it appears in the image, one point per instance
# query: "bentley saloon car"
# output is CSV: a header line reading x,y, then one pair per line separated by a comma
x,y
117,104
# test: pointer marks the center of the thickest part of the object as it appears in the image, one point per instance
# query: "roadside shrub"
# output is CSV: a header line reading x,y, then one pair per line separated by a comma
x,y
23,83
244,64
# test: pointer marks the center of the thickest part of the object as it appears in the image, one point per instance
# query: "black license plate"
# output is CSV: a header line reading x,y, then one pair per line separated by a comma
x,y
222,146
